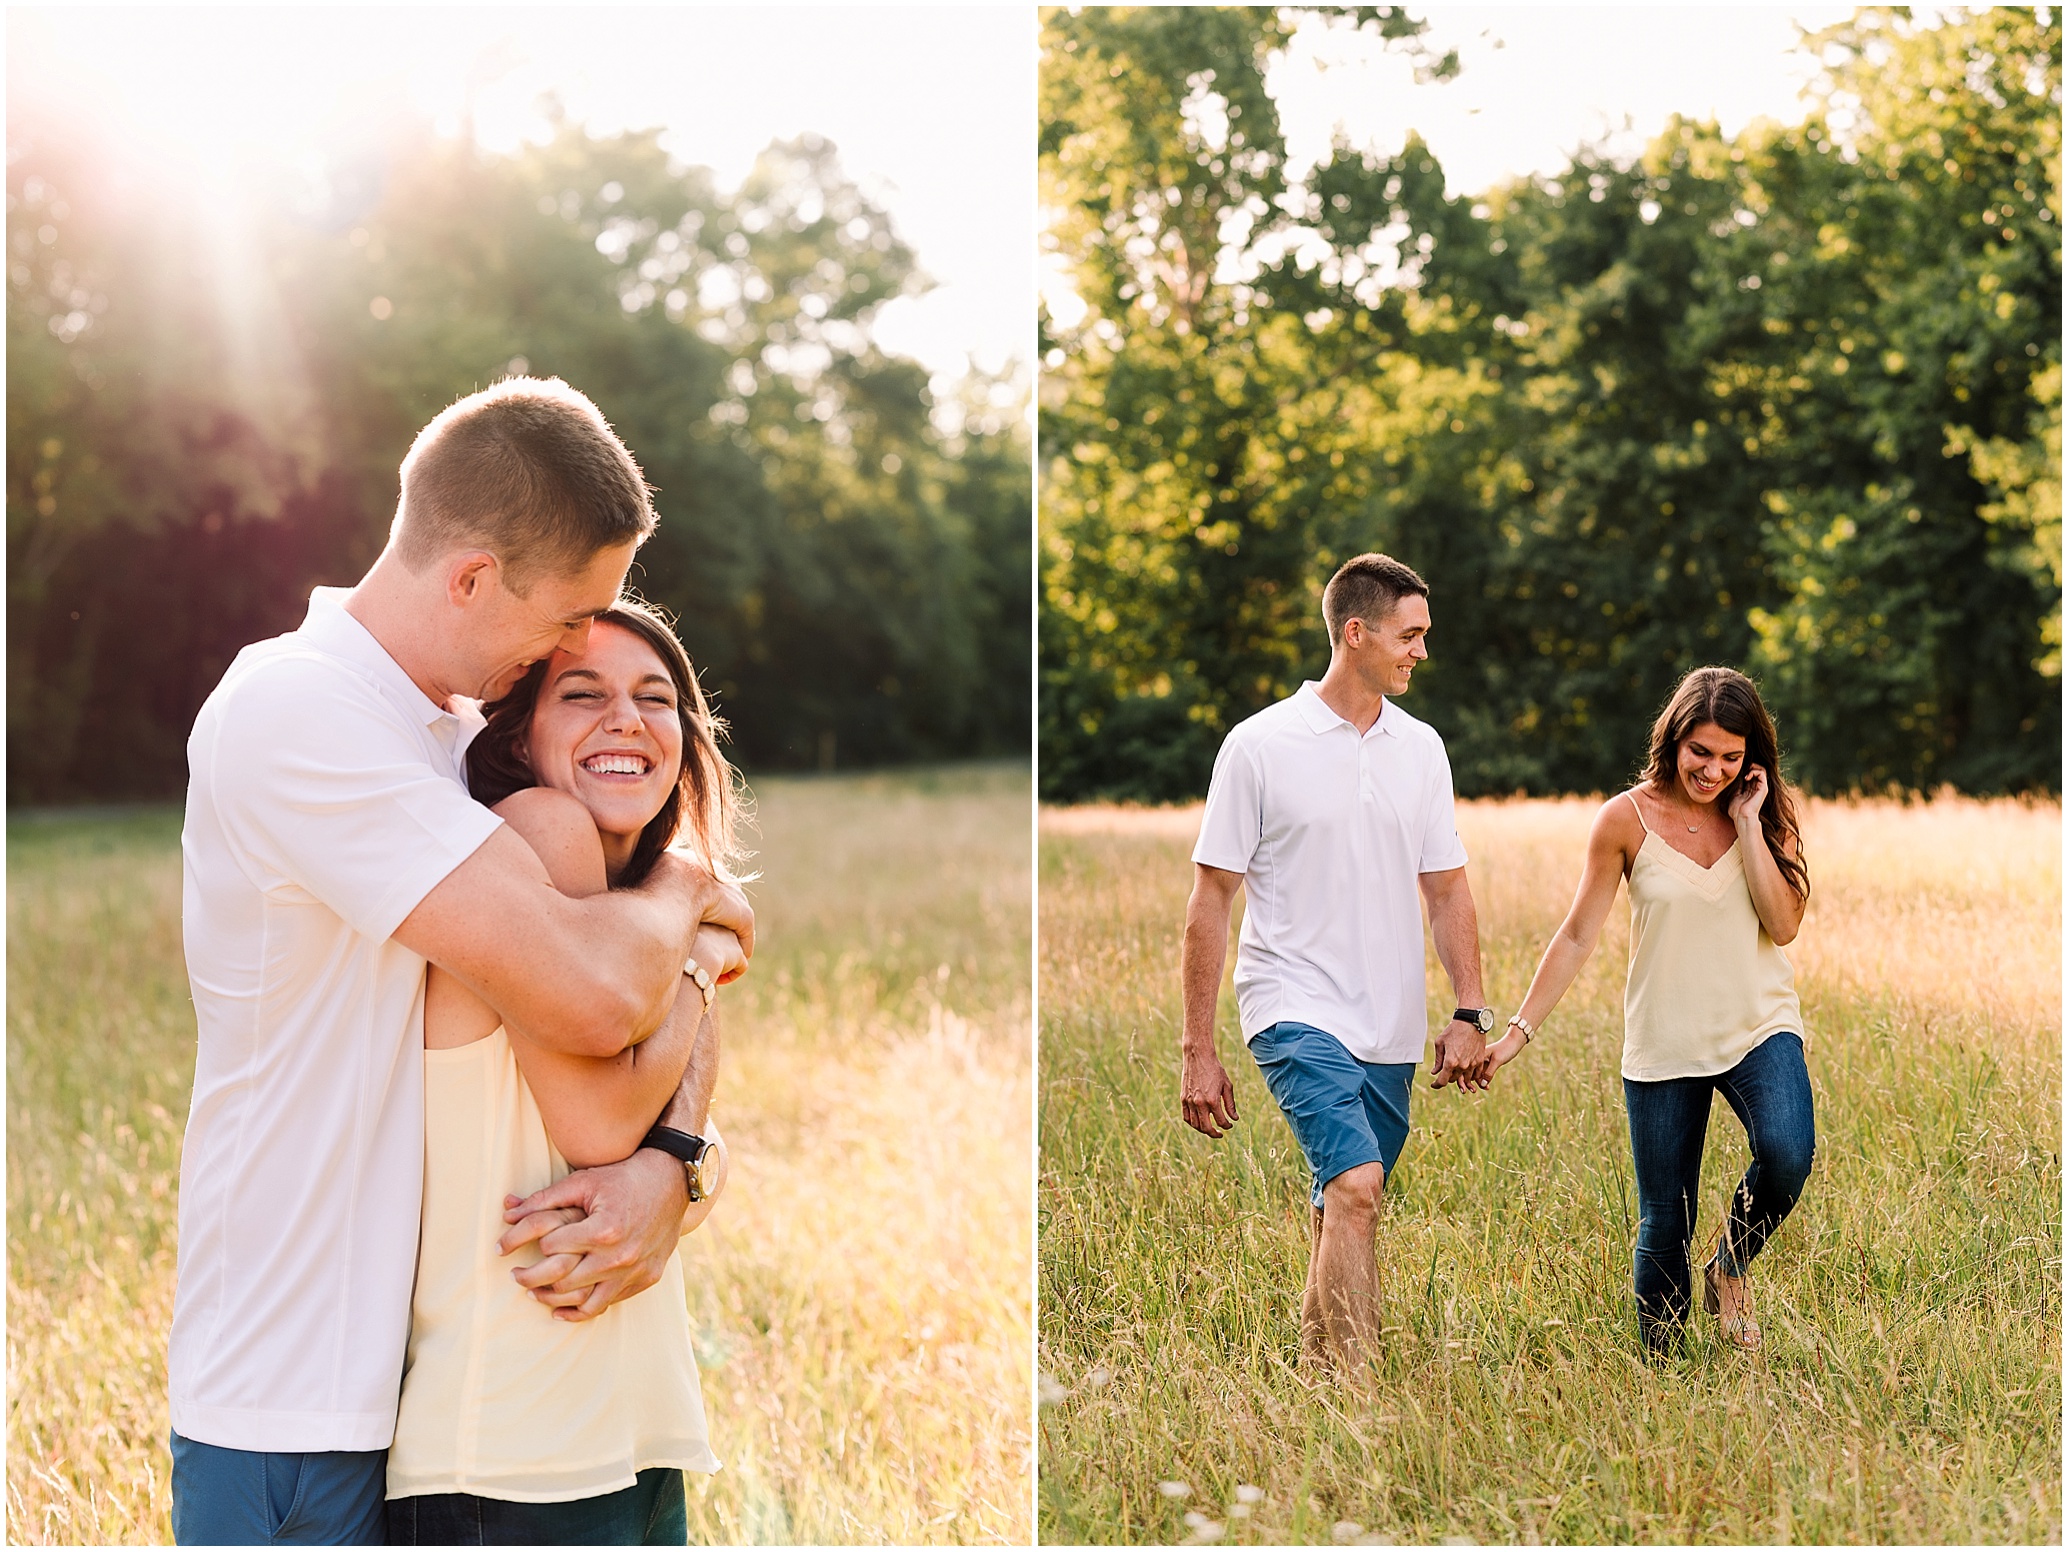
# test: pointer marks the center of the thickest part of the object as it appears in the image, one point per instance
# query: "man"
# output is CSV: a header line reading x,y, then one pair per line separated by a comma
x,y
1332,806
330,850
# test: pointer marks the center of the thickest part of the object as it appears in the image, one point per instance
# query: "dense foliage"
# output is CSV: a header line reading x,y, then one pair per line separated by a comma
x,y
210,390
1788,400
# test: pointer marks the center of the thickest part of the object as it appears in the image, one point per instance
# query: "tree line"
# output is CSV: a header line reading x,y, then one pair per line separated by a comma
x,y
210,391
1787,400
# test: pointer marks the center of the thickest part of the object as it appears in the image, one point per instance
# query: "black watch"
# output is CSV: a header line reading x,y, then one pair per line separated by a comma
x,y
696,1154
1481,1019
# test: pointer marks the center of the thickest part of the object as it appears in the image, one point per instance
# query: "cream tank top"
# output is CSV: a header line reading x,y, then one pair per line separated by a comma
x,y
498,1398
1706,982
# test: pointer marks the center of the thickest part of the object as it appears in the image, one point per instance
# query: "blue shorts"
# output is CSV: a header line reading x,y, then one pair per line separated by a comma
x,y
1344,1112
255,1498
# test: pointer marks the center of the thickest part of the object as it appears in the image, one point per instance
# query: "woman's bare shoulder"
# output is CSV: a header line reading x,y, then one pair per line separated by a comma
x,y
1617,823
556,826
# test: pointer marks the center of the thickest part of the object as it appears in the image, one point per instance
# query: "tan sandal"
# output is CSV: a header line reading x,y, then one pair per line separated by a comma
x,y
1740,1330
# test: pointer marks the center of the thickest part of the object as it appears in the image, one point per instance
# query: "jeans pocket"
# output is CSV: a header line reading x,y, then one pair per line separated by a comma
x,y
283,1489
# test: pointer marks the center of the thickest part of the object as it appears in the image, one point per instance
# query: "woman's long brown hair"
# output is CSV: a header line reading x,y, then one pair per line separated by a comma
x,y
702,807
1731,701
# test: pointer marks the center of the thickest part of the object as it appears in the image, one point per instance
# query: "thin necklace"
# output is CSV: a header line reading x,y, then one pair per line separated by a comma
x,y
1693,828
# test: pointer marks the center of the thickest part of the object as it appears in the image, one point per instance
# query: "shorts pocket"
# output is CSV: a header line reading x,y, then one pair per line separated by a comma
x,y
284,1475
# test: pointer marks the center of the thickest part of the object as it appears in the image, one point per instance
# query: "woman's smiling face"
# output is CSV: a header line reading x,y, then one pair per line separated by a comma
x,y
607,729
1710,760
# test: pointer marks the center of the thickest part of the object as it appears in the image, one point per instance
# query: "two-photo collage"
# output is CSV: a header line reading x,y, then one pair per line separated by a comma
x,y
817,775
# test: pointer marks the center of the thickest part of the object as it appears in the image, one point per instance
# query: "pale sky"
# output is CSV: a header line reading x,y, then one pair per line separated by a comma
x,y
932,108
1536,82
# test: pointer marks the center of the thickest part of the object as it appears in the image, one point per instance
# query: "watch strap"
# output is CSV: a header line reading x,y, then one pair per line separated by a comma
x,y
690,1149
686,1146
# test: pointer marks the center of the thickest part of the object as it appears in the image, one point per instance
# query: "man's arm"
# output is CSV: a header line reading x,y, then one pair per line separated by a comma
x,y
1454,924
587,977
618,1218
1207,1097
631,1213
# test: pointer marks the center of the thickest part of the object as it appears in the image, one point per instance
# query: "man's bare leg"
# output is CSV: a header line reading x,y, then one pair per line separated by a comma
x,y
1339,1315
1313,1329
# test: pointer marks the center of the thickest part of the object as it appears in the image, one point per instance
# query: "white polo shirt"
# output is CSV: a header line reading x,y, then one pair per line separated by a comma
x,y
325,799
1330,830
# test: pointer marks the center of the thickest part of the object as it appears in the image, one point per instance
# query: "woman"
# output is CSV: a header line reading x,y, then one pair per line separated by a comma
x,y
1709,841
516,1426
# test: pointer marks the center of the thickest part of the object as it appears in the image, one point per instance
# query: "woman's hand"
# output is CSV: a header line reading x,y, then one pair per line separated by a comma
x,y
1780,908
1504,1050
546,1270
718,950
1750,798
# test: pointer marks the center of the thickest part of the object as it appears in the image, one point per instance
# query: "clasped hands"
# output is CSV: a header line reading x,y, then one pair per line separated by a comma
x,y
1467,1059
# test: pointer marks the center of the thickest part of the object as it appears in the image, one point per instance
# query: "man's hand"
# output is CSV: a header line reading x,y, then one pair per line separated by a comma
x,y
1460,1054
631,1218
1208,1097
720,902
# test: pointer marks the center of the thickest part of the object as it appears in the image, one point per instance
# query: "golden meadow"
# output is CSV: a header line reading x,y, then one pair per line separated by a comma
x,y
860,1298
1910,1390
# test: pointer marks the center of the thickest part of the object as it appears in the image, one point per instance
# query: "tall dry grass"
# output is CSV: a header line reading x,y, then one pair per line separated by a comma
x,y
1911,1386
860,1300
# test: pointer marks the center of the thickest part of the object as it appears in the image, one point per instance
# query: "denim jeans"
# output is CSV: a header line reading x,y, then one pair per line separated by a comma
x,y
1669,1122
650,1513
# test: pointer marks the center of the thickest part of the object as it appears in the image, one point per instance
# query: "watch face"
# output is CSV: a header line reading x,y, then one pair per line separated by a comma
x,y
703,1175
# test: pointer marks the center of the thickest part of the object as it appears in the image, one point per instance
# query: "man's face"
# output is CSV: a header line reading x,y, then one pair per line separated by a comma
x,y
510,633
1387,650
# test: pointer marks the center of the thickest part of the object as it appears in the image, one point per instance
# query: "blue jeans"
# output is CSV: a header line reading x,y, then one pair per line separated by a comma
x,y
256,1498
1669,1121
649,1513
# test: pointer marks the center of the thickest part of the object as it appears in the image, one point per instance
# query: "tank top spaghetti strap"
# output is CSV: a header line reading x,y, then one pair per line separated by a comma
x,y
1706,983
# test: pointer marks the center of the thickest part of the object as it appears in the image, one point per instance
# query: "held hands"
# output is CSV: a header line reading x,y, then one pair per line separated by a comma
x,y
1461,1058
604,1234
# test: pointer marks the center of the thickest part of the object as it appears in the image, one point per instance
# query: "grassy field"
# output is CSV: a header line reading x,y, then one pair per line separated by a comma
x,y
1910,1390
861,1298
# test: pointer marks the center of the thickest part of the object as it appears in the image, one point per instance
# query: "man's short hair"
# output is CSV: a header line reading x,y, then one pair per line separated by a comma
x,y
1367,588
528,470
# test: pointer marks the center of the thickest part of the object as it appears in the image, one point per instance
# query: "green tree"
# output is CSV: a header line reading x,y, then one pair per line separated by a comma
x,y
1184,456
206,417
1783,400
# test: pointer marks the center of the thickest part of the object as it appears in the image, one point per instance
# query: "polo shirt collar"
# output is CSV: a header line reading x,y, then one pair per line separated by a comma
x,y
330,629
1321,717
